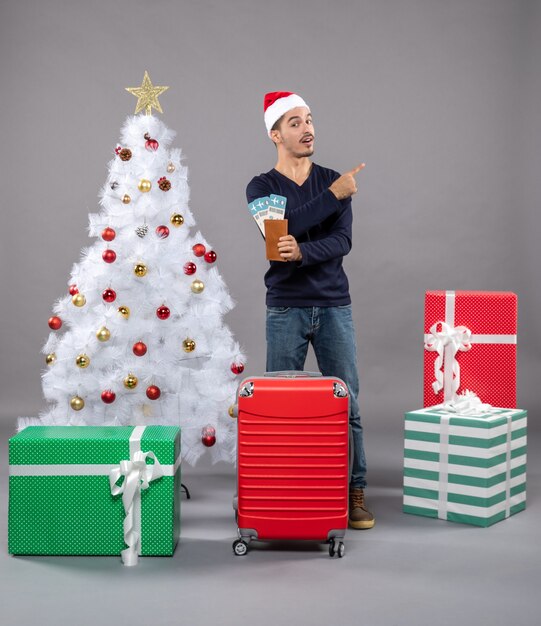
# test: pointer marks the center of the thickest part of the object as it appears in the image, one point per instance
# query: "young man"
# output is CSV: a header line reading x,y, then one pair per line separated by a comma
x,y
308,297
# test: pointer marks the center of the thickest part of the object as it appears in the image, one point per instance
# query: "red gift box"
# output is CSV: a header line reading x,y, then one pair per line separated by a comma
x,y
470,343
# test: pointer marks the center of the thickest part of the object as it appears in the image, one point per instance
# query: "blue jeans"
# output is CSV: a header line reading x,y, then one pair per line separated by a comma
x,y
331,333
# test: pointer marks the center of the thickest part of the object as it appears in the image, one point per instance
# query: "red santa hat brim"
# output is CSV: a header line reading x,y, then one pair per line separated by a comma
x,y
279,102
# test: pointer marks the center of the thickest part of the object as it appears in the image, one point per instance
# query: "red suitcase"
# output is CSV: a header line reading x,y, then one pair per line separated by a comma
x,y
293,469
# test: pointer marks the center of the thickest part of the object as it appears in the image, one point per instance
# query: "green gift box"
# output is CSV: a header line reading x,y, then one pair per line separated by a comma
x,y
94,490
465,468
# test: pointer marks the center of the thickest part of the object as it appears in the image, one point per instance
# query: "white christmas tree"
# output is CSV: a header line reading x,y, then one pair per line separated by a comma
x,y
140,338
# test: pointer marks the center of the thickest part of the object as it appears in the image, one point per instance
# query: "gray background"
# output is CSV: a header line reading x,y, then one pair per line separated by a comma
x,y
441,100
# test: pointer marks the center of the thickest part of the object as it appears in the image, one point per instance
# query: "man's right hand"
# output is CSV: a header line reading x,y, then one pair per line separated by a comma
x,y
345,186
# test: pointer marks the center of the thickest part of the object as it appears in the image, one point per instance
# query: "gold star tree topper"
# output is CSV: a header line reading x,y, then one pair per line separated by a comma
x,y
147,95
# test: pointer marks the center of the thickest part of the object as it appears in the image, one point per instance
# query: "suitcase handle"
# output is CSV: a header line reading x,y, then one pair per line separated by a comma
x,y
292,374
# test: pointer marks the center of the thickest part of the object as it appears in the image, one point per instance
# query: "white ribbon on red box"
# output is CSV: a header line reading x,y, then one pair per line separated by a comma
x,y
446,339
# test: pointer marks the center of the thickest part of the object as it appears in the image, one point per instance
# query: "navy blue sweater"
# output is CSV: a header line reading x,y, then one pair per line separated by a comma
x,y
321,224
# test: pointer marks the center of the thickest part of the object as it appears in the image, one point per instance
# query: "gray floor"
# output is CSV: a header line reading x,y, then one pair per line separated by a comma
x,y
407,570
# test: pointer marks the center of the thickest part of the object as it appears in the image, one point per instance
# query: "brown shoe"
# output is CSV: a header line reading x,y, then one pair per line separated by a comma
x,y
359,516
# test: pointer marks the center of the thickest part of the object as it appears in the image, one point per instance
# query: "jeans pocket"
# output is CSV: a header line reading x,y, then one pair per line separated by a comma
x,y
280,310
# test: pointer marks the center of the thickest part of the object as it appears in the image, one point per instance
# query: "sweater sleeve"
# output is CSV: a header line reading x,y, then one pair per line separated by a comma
x,y
303,217
336,244
257,188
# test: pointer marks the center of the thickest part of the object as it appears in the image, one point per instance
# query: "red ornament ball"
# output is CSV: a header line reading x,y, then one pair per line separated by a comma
x,y
199,249
153,392
210,256
139,349
237,368
109,295
108,396
55,323
162,231
109,256
108,234
73,290
190,268
163,312
208,436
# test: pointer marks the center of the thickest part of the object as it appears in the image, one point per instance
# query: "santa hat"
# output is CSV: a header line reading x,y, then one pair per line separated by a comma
x,y
276,103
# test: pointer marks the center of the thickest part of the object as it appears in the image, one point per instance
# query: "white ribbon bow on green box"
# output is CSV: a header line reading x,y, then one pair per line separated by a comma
x,y
137,477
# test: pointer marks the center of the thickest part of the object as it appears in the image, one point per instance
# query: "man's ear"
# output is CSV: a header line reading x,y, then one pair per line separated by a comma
x,y
275,136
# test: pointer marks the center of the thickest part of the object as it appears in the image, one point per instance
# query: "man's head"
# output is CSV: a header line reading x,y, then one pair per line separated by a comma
x,y
289,123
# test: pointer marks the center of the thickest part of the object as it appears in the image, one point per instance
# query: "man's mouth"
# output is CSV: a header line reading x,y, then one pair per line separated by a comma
x,y
307,139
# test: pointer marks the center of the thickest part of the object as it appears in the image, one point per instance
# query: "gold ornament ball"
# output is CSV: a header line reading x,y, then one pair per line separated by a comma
x,y
82,361
126,199
198,286
177,219
231,411
188,345
171,168
103,334
124,311
130,382
144,185
140,269
77,403
79,300
50,358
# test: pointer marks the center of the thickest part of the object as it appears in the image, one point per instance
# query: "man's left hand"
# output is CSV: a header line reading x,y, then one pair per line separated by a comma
x,y
289,248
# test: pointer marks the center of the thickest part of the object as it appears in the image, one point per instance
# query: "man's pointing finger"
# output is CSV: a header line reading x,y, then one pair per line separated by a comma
x,y
357,169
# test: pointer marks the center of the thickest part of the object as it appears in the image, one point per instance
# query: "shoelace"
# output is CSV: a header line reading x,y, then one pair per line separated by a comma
x,y
357,500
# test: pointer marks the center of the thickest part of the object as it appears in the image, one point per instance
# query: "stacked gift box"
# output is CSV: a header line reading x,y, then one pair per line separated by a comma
x,y
465,451
469,469
94,490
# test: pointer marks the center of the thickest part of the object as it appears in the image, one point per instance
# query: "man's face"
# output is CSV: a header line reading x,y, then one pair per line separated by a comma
x,y
296,133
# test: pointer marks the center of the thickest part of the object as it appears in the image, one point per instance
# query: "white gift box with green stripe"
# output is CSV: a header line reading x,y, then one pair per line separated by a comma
x,y
94,490
461,468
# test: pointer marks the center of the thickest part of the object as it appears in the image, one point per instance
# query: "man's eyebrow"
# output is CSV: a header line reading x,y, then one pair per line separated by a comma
x,y
298,117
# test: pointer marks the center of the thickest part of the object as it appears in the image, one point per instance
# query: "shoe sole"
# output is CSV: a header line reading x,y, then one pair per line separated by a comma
x,y
365,525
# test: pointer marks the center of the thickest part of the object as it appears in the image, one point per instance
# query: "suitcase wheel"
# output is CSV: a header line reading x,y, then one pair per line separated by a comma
x,y
336,548
332,549
240,547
